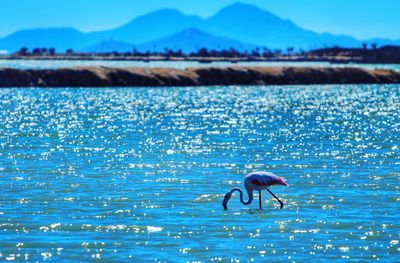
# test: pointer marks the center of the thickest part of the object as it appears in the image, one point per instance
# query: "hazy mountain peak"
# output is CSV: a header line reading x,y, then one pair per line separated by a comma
x,y
152,26
251,24
245,11
241,6
165,12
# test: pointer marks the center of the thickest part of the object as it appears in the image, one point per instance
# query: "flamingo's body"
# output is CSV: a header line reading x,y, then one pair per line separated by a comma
x,y
256,181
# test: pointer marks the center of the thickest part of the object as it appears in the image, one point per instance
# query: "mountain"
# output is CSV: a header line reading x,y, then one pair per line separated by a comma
x,y
156,25
192,39
253,25
232,26
150,27
59,38
110,46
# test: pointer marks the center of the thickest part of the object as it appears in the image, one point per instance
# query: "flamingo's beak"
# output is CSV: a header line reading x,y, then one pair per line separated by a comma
x,y
283,182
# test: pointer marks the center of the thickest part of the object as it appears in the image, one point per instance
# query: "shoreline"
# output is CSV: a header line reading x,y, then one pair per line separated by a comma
x,y
233,60
205,60
200,76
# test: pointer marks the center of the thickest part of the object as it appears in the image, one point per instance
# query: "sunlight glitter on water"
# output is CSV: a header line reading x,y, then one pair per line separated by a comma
x,y
125,174
53,64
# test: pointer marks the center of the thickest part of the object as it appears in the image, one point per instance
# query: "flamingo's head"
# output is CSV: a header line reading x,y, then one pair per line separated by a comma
x,y
226,199
280,181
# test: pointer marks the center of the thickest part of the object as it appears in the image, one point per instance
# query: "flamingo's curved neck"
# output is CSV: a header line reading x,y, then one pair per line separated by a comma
x,y
249,193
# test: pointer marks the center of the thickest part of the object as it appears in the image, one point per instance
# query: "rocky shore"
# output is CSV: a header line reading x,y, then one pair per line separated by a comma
x,y
152,77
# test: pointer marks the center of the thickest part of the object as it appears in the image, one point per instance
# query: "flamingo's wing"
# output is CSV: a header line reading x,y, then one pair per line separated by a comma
x,y
257,181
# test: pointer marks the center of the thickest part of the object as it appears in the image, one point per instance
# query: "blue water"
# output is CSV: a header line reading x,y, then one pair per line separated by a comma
x,y
53,64
139,174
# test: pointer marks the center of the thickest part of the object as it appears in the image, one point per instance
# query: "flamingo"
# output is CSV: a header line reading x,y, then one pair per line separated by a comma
x,y
256,181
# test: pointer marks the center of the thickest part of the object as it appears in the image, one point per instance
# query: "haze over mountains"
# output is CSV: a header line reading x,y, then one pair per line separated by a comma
x,y
239,26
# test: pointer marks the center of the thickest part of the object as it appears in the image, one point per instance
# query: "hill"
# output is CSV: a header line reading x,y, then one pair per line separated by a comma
x,y
110,46
59,38
155,25
191,40
251,24
232,26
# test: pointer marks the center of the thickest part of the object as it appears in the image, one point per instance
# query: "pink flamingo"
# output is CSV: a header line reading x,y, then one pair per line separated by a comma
x,y
256,181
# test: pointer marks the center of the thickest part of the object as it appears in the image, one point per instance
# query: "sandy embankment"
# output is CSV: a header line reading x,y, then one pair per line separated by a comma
x,y
150,77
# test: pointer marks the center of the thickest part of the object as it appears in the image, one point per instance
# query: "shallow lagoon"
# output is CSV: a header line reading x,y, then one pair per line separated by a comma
x,y
123,174
54,64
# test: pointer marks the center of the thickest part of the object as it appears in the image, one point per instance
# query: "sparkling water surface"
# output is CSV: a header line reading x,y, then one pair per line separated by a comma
x,y
138,174
53,64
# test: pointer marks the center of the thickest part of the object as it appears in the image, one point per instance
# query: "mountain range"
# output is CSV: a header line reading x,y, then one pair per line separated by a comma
x,y
240,26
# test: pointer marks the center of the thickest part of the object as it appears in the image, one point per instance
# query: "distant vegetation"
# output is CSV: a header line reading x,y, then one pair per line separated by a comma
x,y
364,54
166,53
385,54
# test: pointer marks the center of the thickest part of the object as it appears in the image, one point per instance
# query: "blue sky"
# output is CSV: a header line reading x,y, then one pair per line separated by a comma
x,y
359,18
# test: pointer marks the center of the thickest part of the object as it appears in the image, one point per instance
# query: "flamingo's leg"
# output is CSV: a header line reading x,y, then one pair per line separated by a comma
x,y
276,198
259,198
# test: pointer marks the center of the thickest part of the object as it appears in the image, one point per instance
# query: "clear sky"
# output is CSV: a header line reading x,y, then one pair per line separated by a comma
x,y
359,18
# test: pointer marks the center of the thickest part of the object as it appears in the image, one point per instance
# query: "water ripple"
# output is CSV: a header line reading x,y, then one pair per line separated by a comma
x,y
139,174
